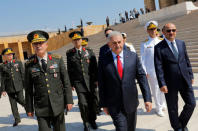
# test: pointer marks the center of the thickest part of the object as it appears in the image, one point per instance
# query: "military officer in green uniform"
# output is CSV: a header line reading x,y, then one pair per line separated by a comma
x,y
84,42
48,91
12,82
83,72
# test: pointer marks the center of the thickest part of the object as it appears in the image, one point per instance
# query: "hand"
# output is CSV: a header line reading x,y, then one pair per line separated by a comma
x,y
148,106
30,114
164,89
192,81
96,83
4,93
147,76
106,111
69,107
73,89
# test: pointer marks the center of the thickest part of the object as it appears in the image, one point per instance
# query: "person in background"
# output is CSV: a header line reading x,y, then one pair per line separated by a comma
x,y
147,59
85,42
128,45
12,82
83,74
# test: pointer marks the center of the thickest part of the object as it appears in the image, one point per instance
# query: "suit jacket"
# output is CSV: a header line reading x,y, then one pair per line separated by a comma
x,y
168,68
12,76
47,92
114,92
82,69
103,50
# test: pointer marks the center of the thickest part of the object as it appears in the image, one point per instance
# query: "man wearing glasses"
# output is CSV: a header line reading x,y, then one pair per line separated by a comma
x,y
174,74
147,59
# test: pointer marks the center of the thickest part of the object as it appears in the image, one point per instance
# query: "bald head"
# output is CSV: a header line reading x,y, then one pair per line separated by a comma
x,y
169,30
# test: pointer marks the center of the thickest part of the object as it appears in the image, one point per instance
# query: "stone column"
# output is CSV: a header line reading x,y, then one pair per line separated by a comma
x,y
166,3
20,49
150,4
5,45
180,1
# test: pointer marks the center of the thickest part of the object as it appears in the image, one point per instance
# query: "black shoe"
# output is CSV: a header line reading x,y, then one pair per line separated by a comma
x,y
185,129
16,123
86,128
94,125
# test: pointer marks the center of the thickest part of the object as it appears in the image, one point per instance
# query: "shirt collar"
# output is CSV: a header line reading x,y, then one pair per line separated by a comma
x,y
114,55
79,49
45,57
169,42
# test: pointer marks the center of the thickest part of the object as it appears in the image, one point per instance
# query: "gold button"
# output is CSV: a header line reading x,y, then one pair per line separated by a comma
x,y
46,79
48,91
45,74
48,85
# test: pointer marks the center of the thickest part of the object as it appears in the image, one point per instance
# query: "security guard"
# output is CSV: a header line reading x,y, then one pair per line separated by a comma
x,y
85,42
47,84
82,69
147,59
12,82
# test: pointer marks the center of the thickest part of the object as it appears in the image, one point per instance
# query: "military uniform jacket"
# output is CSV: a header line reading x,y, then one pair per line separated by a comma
x,y
47,92
12,76
82,68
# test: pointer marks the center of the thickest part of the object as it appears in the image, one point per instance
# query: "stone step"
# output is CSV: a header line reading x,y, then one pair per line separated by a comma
x,y
195,69
193,59
194,64
193,55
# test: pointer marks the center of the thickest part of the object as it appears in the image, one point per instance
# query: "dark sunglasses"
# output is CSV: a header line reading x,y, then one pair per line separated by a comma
x,y
173,30
152,29
106,35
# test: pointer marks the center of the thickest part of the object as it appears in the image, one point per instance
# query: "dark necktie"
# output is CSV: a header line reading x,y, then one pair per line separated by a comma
x,y
44,65
79,53
119,66
174,50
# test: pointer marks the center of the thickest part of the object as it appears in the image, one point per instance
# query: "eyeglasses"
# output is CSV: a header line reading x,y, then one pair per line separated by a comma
x,y
152,29
173,30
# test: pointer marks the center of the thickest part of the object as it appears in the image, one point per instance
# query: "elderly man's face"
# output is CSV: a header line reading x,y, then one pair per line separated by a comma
x,y
117,44
40,48
9,57
170,31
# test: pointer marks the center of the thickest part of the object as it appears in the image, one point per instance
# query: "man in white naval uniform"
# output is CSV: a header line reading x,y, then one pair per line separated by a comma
x,y
147,59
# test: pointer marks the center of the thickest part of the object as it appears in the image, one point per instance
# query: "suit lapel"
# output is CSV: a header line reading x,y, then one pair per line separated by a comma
x,y
49,63
179,49
169,50
125,57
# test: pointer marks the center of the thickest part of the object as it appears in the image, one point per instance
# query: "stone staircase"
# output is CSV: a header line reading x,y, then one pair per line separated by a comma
x,y
187,30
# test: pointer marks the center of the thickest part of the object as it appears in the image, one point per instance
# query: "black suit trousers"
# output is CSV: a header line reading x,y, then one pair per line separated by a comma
x,y
14,98
52,123
187,94
124,121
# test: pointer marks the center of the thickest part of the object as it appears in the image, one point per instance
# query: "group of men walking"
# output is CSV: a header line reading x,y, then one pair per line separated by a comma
x,y
164,67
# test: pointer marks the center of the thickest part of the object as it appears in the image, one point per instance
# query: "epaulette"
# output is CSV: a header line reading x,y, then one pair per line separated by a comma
x,y
30,60
146,40
70,50
56,56
129,43
160,38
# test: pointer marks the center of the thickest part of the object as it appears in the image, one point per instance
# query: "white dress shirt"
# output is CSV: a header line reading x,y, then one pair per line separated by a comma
x,y
170,46
45,58
121,58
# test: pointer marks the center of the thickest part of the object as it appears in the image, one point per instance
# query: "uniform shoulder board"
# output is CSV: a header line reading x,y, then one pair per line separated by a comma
x,y
146,40
160,38
30,60
70,50
129,43
56,56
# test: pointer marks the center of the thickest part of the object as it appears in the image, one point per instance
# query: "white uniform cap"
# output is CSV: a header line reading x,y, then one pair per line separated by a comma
x,y
151,23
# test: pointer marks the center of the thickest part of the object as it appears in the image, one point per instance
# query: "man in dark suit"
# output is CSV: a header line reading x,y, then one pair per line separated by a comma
x,y
105,48
174,74
83,73
117,87
12,82
48,90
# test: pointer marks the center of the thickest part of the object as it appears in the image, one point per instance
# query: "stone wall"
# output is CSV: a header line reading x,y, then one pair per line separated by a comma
x,y
150,4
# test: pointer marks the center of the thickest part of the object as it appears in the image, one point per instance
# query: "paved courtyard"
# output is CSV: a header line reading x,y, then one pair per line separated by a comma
x,y
145,121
